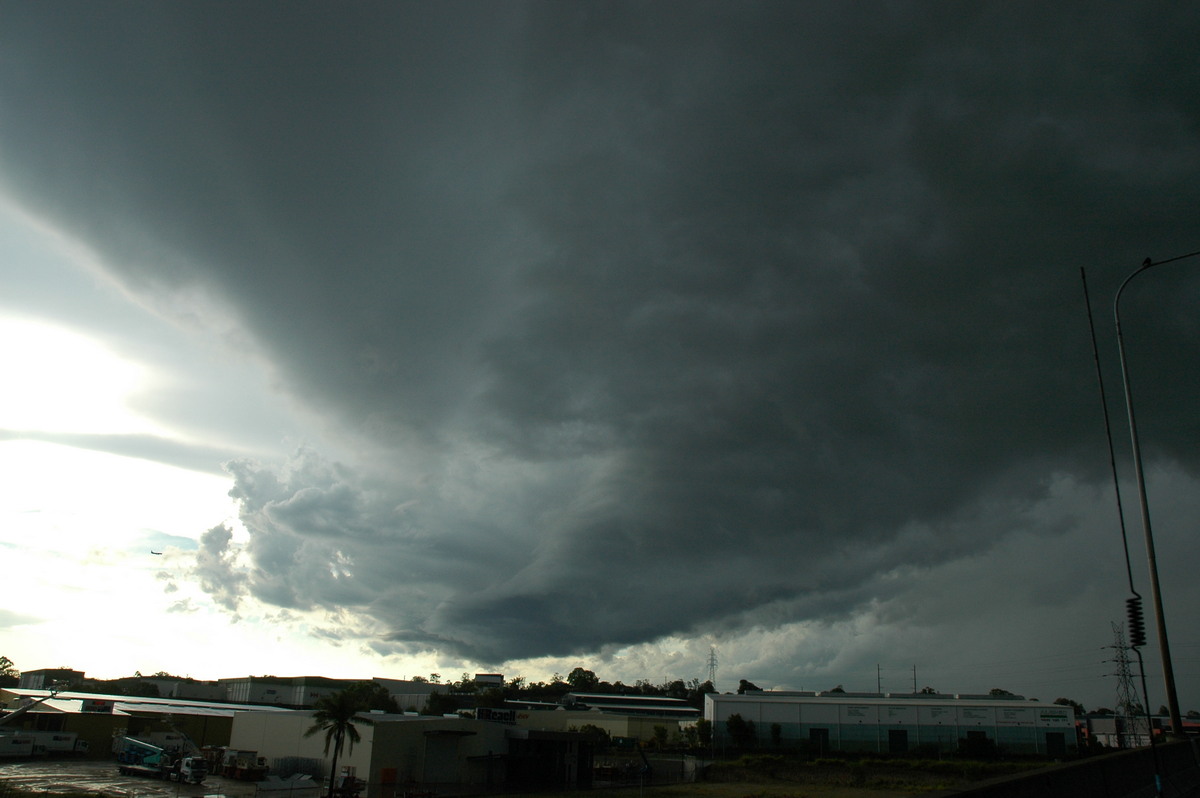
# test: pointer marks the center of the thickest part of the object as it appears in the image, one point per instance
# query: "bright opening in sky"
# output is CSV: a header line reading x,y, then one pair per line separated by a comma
x,y
57,380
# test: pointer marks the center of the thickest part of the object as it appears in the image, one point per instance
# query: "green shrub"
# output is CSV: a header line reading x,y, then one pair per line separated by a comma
x,y
761,760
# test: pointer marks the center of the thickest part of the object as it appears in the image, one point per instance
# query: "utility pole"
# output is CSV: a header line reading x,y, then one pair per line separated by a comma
x,y
1156,602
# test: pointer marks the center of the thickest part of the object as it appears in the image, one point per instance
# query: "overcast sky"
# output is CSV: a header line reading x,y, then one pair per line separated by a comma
x,y
516,336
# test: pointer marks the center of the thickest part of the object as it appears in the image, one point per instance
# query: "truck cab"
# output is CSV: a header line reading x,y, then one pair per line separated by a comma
x,y
189,770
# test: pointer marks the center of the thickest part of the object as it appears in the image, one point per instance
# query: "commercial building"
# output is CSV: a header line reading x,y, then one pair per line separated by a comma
x,y
639,728
406,753
95,718
189,689
298,692
396,752
45,678
293,692
892,723
655,706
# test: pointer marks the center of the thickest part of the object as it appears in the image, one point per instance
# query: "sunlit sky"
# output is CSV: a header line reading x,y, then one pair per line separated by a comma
x,y
512,337
80,523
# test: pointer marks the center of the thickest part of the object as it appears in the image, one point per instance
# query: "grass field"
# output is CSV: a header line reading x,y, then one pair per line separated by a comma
x,y
711,790
782,777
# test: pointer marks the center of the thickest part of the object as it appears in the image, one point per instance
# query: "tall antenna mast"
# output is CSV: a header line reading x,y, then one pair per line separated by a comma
x,y
712,666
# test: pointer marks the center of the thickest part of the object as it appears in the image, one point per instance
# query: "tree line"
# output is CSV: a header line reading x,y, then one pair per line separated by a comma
x,y
467,693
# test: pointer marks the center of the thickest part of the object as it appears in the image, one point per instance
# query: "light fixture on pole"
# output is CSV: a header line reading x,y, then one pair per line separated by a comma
x,y
1155,592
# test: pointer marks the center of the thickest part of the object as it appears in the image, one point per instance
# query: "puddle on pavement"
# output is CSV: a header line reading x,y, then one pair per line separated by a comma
x,y
101,777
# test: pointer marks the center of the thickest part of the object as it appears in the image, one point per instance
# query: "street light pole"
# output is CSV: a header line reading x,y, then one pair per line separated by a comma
x,y
1155,592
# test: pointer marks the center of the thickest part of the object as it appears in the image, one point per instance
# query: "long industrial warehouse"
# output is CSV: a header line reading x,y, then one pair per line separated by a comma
x,y
895,723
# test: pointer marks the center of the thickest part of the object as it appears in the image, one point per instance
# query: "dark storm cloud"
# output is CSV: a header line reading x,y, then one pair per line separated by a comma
x,y
652,318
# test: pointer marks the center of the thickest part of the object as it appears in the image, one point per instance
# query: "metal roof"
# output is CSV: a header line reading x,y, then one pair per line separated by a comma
x,y
624,698
72,702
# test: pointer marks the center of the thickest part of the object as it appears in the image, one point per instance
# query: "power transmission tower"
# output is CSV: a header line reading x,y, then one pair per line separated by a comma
x,y
712,666
1128,708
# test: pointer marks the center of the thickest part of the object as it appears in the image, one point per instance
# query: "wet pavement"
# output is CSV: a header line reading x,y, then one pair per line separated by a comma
x,y
101,777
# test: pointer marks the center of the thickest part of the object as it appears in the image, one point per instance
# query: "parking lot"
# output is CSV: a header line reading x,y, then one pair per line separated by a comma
x,y
101,777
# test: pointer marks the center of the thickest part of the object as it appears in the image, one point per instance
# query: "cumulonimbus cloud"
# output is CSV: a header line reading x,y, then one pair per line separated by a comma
x,y
631,322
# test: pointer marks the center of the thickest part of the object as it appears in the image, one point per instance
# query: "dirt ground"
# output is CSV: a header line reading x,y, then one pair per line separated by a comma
x,y
101,777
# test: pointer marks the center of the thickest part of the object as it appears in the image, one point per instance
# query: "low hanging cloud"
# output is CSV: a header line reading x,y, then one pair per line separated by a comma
x,y
215,570
633,322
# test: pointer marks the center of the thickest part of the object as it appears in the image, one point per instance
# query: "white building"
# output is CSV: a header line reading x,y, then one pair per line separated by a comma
x,y
894,723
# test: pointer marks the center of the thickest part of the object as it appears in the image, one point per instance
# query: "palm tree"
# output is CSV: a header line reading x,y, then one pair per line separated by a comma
x,y
335,715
